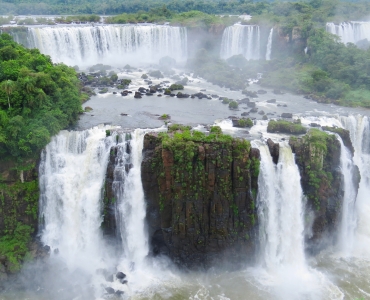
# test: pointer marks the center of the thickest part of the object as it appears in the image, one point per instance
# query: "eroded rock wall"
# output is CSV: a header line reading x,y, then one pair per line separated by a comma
x,y
201,200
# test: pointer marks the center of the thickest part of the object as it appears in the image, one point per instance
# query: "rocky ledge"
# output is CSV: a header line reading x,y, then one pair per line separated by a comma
x,y
201,193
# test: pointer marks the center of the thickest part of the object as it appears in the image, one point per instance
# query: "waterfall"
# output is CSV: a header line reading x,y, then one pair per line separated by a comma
x,y
281,211
269,45
350,32
359,129
349,220
110,44
241,39
72,173
285,272
130,198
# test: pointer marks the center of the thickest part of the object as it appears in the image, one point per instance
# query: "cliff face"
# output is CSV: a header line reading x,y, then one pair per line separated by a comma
x,y
201,200
19,194
318,159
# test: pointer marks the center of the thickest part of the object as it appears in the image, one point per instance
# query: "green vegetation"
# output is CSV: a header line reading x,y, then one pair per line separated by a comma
x,y
37,100
317,148
176,87
233,105
282,126
245,122
14,247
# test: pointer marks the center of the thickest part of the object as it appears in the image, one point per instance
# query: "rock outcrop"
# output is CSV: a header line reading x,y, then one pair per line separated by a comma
x,y
201,199
318,158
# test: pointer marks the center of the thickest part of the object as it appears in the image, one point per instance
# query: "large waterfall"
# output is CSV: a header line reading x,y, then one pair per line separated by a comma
x,y
72,173
241,39
111,44
350,32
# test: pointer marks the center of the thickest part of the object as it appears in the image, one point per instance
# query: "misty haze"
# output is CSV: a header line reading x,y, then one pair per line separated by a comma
x,y
170,149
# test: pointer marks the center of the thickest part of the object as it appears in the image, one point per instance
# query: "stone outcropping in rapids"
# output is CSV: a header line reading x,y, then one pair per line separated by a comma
x,y
318,158
200,199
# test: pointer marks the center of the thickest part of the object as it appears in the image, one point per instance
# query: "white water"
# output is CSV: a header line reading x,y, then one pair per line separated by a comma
x,y
269,44
285,271
110,44
350,32
360,135
241,39
349,219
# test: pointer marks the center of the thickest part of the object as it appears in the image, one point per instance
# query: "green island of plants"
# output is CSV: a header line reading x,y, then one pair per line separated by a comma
x,y
282,126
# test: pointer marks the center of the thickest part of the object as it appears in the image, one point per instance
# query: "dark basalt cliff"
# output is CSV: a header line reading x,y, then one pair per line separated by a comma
x,y
201,199
318,158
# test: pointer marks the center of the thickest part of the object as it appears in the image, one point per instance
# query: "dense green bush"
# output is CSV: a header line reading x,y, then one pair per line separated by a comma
x,y
282,126
37,99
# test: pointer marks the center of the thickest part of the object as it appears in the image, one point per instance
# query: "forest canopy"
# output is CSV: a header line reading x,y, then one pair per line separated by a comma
x,y
37,99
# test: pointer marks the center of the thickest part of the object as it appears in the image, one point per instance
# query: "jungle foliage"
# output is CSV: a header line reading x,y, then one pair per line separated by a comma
x,y
37,99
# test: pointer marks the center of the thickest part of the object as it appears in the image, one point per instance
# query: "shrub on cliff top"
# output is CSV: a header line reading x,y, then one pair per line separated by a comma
x,y
282,126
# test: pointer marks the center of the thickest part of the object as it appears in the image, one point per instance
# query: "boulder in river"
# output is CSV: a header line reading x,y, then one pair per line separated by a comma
x,y
287,115
120,275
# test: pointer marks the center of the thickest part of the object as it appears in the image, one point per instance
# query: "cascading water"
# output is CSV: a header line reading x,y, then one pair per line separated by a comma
x,y
72,172
241,39
349,220
111,44
350,32
359,129
281,211
269,44
280,203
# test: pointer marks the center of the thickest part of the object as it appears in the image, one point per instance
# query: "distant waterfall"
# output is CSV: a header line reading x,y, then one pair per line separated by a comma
x,y
359,128
280,201
269,45
72,173
111,44
241,39
350,32
349,220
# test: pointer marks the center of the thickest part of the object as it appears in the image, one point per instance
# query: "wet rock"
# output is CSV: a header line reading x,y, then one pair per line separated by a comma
x,y
274,149
109,290
315,125
215,96
123,114
253,110
264,118
149,94
245,114
251,104
114,93
287,115
261,112
124,281
137,95
120,275
271,101
47,248
119,293
244,101
261,92
159,95
142,90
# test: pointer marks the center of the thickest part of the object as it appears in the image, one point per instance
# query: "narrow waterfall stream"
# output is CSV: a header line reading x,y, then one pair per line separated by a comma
x,y
269,45
349,216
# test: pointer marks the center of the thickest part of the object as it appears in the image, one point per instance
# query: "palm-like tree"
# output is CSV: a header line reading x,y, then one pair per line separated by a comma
x,y
8,87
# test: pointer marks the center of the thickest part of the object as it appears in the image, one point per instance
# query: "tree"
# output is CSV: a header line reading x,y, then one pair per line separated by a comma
x,y
8,87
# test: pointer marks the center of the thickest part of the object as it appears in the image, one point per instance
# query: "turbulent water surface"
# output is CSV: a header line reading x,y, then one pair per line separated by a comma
x,y
74,164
